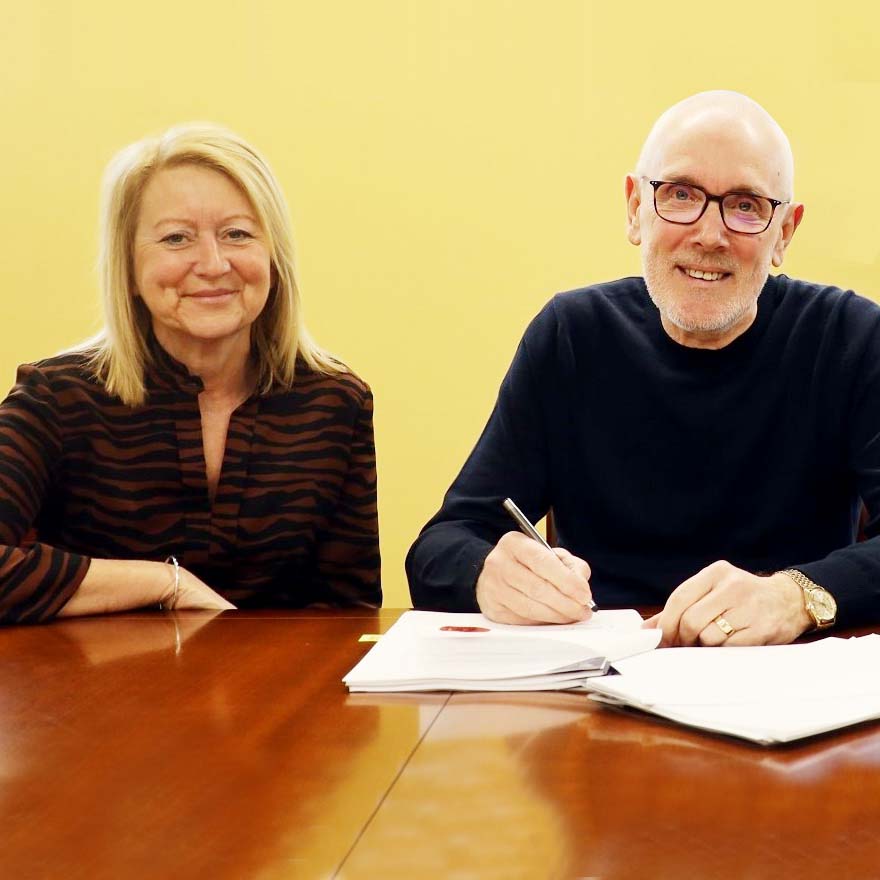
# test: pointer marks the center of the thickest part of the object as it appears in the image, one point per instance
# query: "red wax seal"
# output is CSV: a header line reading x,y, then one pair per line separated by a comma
x,y
464,629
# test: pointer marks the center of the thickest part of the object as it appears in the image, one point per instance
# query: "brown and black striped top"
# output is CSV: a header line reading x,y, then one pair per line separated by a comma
x,y
294,518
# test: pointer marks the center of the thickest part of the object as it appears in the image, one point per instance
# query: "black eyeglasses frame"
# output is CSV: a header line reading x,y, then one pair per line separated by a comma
x,y
774,203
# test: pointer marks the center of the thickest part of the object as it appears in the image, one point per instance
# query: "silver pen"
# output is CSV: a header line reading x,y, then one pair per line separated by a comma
x,y
527,528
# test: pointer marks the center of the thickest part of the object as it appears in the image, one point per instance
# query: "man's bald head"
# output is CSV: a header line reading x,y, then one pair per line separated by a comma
x,y
731,114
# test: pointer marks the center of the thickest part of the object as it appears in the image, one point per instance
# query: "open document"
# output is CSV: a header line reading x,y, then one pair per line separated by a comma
x,y
771,694
429,650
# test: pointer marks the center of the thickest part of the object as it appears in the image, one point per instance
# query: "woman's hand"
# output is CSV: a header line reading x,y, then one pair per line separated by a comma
x,y
195,594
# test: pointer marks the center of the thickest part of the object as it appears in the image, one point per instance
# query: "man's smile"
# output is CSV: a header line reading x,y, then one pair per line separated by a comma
x,y
703,274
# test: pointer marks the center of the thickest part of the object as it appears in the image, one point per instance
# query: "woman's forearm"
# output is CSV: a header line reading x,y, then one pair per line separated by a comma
x,y
123,584
120,585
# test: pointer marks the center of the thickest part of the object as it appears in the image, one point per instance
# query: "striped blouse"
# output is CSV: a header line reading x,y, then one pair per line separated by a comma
x,y
82,475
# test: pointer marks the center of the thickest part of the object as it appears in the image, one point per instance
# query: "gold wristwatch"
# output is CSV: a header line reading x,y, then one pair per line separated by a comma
x,y
818,601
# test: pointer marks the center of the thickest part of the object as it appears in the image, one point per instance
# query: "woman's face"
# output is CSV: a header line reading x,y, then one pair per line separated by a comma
x,y
201,260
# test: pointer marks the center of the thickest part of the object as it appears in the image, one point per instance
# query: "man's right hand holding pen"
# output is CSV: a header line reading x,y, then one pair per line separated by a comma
x,y
523,581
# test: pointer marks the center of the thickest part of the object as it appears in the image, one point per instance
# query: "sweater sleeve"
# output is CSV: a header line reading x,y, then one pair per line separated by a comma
x,y
348,561
36,580
852,574
509,460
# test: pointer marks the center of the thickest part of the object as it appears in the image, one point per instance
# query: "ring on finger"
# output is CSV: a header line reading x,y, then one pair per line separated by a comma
x,y
722,623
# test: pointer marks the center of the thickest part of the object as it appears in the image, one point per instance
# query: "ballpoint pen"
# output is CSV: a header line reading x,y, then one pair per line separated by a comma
x,y
527,528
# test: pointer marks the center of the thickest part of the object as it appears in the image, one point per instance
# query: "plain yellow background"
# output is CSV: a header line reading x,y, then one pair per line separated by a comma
x,y
449,166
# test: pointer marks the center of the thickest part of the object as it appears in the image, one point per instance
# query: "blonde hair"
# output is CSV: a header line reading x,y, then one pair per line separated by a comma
x,y
119,353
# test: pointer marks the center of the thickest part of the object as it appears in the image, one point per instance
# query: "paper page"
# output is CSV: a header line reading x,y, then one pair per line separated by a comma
x,y
768,694
553,681
472,656
424,646
611,634
721,676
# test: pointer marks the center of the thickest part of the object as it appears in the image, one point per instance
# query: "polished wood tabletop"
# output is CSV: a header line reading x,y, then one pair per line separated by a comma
x,y
192,746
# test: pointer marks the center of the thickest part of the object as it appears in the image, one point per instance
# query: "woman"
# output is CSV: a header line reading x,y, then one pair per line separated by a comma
x,y
201,451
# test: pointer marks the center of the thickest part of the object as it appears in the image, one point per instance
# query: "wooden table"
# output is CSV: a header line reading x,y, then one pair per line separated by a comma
x,y
149,746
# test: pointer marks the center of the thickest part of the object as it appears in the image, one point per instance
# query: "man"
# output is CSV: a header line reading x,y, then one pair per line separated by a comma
x,y
704,436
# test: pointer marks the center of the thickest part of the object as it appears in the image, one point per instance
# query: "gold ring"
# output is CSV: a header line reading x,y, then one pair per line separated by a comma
x,y
724,626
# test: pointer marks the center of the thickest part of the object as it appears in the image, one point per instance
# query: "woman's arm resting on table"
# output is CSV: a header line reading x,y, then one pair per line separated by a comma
x,y
122,585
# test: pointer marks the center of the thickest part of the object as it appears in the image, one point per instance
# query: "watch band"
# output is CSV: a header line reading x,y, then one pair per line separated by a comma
x,y
809,587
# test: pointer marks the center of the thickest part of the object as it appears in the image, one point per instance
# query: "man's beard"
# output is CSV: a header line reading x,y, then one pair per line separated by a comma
x,y
722,311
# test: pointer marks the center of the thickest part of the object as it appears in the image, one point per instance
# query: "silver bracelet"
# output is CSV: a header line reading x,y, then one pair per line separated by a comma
x,y
172,560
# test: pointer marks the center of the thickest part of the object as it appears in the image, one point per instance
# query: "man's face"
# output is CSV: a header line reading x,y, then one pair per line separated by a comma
x,y
705,279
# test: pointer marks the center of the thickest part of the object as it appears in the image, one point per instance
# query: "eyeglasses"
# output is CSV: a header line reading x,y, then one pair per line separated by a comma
x,y
684,203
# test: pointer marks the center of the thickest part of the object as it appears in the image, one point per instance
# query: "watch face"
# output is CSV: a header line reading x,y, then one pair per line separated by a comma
x,y
823,604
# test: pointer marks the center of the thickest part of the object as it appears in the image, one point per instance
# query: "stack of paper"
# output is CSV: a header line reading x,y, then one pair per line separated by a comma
x,y
770,694
426,650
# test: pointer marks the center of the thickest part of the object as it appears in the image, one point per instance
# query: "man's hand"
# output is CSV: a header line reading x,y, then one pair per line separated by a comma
x,y
523,582
760,610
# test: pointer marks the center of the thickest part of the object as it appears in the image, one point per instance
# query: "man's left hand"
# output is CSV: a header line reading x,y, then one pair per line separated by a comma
x,y
758,610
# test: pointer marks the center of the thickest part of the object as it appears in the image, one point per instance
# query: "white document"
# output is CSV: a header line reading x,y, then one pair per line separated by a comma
x,y
426,650
769,694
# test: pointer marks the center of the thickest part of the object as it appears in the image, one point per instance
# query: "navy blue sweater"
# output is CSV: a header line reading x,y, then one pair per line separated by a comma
x,y
659,459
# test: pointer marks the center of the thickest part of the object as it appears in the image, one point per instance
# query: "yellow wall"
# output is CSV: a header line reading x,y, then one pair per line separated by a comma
x,y
449,164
